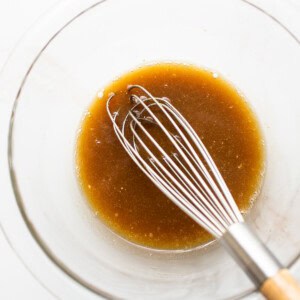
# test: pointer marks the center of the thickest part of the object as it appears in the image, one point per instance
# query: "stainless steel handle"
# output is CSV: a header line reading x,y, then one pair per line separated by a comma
x,y
250,253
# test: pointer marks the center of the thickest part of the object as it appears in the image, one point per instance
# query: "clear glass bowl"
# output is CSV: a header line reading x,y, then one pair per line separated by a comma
x,y
95,42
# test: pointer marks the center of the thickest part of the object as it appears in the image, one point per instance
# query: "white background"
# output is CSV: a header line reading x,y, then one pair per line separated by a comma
x,y
16,16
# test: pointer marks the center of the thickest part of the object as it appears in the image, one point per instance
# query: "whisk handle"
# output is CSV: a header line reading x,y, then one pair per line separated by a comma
x,y
282,286
260,264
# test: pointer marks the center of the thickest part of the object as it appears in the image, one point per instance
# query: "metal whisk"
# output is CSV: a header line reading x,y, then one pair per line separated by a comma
x,y
188,176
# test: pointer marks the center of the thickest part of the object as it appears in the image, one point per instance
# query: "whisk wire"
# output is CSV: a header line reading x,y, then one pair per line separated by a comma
x,y
221,190
210,226
177,175
169,190
226,212
191,180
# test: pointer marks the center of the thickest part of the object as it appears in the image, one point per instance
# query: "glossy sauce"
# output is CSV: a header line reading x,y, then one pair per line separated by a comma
x,y
122,196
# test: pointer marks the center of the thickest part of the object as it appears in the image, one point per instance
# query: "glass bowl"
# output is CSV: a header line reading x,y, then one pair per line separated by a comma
x,y
89,49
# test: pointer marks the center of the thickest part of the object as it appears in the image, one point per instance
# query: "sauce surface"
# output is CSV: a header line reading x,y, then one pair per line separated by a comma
x,y
124,198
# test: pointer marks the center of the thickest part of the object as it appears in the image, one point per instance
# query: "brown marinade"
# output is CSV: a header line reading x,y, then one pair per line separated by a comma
x,y
121,194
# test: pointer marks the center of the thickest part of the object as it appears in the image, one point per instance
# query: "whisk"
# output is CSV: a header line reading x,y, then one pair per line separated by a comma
x,y
188,176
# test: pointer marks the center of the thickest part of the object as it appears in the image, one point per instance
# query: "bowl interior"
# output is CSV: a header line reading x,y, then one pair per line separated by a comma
x,y
246,46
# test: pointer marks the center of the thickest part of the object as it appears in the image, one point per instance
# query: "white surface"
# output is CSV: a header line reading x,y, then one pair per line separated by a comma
x,y
15,281
15,17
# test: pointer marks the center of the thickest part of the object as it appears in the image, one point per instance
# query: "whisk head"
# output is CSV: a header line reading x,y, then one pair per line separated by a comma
x,y
168,150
